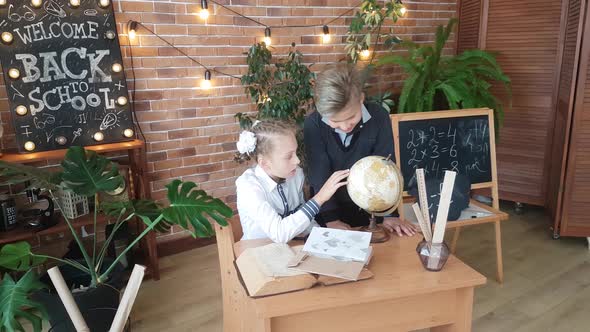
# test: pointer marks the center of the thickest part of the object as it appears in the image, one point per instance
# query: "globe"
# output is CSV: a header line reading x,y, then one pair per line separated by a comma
x,y
375,184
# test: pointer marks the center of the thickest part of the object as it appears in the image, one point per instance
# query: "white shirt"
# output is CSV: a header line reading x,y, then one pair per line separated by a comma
x,y
262,209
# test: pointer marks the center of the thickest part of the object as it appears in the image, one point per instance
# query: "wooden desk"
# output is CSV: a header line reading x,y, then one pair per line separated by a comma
x,y
401,297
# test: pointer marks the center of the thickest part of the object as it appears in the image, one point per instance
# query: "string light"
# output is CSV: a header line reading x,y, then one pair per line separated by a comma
x,y
29,146
61,140
128,133
7,37
98,136
116,67
104,3
403,11
267,40
131,29
365,54
36,3
74,3
21,110
326,34
206,83
122,101
2,3
13,73
204,13
110,34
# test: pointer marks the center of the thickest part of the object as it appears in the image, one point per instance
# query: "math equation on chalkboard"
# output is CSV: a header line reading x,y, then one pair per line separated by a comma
x,y
460,144
64,74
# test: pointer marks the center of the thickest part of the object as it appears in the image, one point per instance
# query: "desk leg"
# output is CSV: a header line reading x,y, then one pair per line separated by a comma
x,y
463,314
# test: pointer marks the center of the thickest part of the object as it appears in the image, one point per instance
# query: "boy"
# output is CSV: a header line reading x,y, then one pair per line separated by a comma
x,y
344,130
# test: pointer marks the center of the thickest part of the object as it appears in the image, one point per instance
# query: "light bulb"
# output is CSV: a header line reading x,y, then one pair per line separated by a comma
x,y
116,67
132,29
132,34
21,110
204,14
61,140
267,35
2,3
122,101
13,73
326,34
104,3
365,54
29,146
403,11
98,136
7,37
74,3
128,132
36,3
110,34
206,82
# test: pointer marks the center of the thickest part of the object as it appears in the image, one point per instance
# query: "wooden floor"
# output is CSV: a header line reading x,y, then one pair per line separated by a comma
x,y
547,285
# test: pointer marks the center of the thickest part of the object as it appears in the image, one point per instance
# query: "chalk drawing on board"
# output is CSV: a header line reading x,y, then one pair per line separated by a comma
x,y
16,92
54,9
106,20
26,130
109,120
3,23
90,12
48,119
82,118
77,133
119,86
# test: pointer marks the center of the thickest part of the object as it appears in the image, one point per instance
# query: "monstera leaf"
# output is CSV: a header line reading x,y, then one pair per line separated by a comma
x,y
14,298
148,211
86,172
189,205
18,257
37,177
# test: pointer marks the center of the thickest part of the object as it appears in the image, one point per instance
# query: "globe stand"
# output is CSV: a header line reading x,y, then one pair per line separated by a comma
x,y
378,233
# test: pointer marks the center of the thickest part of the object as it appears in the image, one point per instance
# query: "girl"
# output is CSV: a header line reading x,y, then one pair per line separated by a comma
x,y
270,195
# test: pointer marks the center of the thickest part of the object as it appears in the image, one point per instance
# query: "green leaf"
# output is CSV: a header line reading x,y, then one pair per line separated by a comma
x,y
87,173
38,177
14,299
147,210
18,256
188,207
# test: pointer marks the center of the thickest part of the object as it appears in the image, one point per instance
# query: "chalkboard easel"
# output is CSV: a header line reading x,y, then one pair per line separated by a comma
x,y
457,140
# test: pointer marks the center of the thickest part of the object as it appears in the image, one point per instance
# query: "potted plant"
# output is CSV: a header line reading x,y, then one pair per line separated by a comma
x,y
89,174
436,82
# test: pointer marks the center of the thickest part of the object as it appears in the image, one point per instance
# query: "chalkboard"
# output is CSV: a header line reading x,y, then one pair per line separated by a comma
x,y
460,143
67,89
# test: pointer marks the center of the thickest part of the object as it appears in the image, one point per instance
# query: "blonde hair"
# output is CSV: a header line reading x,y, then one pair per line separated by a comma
x,y
264,131
336,86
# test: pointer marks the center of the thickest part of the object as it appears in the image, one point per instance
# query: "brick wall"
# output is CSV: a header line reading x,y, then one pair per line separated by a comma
x,y
191,133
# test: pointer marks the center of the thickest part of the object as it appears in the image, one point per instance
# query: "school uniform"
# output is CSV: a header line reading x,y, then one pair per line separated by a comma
x,y
329,150
277,211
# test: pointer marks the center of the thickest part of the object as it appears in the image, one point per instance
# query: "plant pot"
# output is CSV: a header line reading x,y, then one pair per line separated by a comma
x,y
97,305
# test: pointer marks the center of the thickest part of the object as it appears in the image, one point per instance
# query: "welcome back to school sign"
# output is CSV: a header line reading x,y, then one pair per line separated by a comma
x,y
63,72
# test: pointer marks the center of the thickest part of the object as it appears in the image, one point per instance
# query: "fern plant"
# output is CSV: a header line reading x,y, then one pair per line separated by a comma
x,y
87,173
464,80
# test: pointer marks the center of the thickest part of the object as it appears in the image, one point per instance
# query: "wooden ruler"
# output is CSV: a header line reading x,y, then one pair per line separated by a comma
x,y
443,207
425,227
423,197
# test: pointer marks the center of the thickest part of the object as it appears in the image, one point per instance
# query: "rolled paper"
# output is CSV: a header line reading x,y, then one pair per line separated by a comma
x,y
67,299
128,298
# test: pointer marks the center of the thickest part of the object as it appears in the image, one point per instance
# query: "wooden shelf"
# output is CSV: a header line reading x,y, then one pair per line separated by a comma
x,y
21,233
59,154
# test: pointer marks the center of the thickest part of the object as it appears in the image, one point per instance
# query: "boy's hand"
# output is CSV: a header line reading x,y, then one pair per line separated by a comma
x,y
339,225
330,187
400,226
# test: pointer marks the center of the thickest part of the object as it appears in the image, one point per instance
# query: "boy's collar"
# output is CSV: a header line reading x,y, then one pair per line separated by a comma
x,y
365,116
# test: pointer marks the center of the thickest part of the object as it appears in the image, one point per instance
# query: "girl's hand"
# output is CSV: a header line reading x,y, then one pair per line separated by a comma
x,y
330,187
